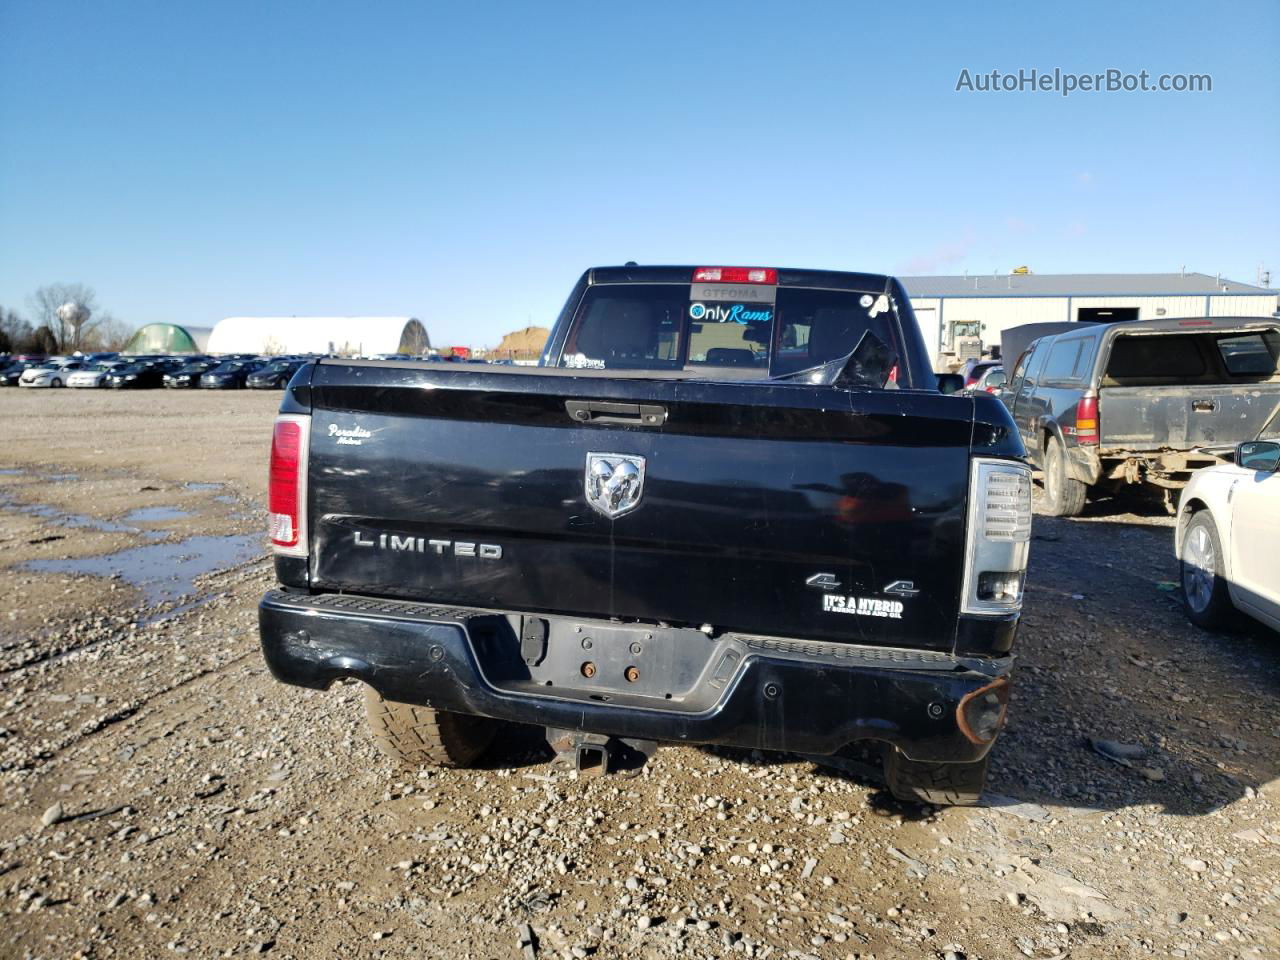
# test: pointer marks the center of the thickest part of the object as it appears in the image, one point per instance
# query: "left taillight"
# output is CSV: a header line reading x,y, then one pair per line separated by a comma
x,y
1087,420
998,536
287,485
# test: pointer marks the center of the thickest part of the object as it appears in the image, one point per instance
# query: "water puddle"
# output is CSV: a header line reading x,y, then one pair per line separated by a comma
x,y
155,514
12,472
202,485
225,498
162,571
58,518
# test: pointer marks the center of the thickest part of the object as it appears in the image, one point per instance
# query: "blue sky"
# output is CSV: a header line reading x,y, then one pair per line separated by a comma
x,y
464,163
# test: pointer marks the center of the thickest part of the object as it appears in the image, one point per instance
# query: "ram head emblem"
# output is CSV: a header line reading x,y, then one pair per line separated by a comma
x,y
614,482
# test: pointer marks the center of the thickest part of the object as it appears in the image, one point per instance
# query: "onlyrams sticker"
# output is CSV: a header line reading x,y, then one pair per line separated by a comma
x,y
730,313
863,606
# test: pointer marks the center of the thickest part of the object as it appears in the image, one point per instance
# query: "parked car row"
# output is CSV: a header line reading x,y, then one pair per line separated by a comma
x,y
110,370
229,372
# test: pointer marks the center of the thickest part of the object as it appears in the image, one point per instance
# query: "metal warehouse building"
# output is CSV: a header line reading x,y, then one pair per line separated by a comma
x,y
962,316
343,336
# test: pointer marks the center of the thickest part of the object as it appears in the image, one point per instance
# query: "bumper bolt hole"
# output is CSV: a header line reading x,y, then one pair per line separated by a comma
x,y
771,691
632,674
588,669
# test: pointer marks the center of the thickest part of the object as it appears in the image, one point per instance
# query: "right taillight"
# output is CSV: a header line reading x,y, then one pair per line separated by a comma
x,y
998,536
1087,420
287,485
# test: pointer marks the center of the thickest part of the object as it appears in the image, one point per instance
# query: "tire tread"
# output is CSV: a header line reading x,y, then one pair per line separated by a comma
x,y
1071,493
417,736
941,784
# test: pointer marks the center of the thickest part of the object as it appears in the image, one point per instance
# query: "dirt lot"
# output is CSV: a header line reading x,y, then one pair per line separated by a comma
x,y
195,806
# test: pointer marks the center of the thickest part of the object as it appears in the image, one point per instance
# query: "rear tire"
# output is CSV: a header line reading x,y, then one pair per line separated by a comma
x,y
942,784
55,382
1064,495
417,736
1205,597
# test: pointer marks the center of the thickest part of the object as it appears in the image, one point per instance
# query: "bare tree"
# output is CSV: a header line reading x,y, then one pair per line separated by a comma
x,y
106,333
273,347
45,313
14,331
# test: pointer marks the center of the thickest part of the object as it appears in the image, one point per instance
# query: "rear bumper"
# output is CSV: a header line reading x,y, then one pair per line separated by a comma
x,y
755,692
1084,464
1168,469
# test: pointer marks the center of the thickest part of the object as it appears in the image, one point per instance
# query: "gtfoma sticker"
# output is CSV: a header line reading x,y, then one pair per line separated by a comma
x,y
863,606
349,436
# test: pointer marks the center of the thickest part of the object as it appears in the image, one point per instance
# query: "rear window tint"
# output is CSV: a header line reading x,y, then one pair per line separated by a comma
x,y
818,326
1155,358
660,326
1249,354
628,327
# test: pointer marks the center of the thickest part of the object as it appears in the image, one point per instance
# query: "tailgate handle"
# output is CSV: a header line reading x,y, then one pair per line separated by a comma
x,y
624,414
1204,406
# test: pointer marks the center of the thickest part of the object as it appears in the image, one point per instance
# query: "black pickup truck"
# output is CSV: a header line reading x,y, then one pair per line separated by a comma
x,y
730,506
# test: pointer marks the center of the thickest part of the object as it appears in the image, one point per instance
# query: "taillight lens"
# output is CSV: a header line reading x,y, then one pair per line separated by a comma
x,y
998,536
1087,420
735,275
287,485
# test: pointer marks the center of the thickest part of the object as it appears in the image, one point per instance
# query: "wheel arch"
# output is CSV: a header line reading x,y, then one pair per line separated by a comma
x,y
1194,507
1189,507
1050,430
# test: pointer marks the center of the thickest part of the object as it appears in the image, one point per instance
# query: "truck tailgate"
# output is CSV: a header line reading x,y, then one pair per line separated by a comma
x,y
1182,417
470,487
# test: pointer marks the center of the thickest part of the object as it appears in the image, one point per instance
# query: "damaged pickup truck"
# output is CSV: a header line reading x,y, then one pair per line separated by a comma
x,y
730,506
1102,407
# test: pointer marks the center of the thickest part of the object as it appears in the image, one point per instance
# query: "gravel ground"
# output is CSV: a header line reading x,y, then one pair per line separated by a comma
x,y
163,795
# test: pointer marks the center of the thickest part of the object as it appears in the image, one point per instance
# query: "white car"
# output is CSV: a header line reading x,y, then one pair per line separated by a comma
x,y
49,375
94,375
1228,532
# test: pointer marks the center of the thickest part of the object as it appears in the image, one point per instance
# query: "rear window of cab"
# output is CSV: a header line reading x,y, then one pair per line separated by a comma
x,y
668,326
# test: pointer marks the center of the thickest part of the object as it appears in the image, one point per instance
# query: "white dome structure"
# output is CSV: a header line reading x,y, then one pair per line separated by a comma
x,y
343,336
